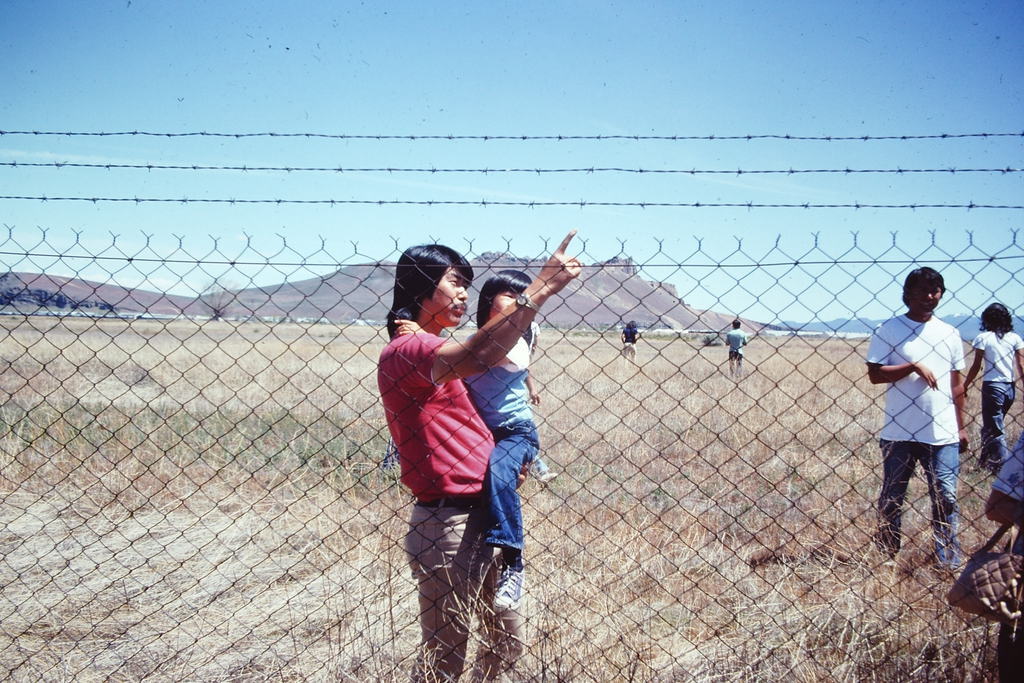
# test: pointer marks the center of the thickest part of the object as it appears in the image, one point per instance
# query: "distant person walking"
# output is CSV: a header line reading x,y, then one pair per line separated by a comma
x,y
629,336
444,448
736,340
999,348
919,358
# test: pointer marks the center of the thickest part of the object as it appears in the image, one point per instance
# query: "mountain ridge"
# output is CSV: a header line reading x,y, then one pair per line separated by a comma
x,y
966,323
607,294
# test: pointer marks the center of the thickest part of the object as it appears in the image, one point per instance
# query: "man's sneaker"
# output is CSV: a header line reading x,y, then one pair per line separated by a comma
x,y
510,588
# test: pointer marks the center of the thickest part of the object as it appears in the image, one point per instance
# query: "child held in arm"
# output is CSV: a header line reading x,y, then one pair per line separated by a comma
x,y
502,397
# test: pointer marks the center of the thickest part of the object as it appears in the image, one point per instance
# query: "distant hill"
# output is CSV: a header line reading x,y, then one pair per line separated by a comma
x,y
607,294
30,292
967,324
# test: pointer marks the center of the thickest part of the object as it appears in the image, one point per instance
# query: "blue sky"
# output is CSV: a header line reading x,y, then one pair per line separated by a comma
x,y
525,68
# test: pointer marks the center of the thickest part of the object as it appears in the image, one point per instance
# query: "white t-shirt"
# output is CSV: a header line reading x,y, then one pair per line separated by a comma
x,y
913,410
999,354
518,357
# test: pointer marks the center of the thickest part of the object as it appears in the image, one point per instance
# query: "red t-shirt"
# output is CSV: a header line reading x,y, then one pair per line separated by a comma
x,y
443,445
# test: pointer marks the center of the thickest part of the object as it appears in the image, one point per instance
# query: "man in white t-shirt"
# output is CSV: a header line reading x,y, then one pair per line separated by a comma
x,y
920,358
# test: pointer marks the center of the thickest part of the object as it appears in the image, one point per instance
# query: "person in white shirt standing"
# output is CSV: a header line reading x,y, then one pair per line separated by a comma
x,y
920,358
736,340
999,347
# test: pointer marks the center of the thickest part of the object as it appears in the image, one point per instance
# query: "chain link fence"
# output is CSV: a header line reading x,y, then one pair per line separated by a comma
x,y
194,485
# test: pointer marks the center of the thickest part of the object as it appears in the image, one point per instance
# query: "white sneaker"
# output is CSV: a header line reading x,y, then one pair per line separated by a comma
x,y
510,589
546,476
541,471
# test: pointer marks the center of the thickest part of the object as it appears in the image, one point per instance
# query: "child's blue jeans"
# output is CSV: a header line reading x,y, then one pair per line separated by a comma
x,y
514,446
996,399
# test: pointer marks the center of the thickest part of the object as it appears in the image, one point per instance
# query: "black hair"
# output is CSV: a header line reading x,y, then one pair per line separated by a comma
x,y
419,271
631,324
515,281
736,324
996,318
921,278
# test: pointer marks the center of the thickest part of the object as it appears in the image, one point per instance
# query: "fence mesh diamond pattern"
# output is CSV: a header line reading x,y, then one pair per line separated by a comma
x,y
195,485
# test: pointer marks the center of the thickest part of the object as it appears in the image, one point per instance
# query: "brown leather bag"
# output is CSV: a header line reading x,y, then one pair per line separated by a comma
x,y
990,585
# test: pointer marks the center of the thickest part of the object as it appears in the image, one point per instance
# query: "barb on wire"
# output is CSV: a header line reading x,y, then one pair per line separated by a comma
x,y
347,136
487,171
581,203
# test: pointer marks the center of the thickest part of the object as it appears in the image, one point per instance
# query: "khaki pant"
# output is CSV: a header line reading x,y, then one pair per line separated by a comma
x,y
457,573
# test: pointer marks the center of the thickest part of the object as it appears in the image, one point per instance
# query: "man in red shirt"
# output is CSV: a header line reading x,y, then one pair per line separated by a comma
x,y
444,449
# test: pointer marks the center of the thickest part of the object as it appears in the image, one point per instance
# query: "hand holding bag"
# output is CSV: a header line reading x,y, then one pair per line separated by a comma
x,y
991,583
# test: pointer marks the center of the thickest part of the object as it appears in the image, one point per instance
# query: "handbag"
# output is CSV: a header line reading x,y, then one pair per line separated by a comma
x,y
990,585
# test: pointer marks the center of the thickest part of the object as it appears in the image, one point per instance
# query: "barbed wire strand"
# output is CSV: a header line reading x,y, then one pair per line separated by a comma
x,y
346,136
486,171
581,203
592,266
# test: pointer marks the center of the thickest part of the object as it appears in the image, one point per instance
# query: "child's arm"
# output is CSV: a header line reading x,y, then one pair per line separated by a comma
x,y
532,388
979,356
956,386
407,327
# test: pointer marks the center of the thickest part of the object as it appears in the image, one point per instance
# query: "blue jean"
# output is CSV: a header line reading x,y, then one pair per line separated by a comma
x,y
941,465
996,399
514,446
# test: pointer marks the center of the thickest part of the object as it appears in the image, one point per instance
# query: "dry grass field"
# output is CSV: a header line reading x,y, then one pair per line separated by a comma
x,y
203,502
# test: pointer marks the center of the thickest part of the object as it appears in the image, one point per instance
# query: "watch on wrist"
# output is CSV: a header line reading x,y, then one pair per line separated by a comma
x,y
523,300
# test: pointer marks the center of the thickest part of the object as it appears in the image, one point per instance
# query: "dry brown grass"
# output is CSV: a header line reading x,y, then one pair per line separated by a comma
x,y
202,502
